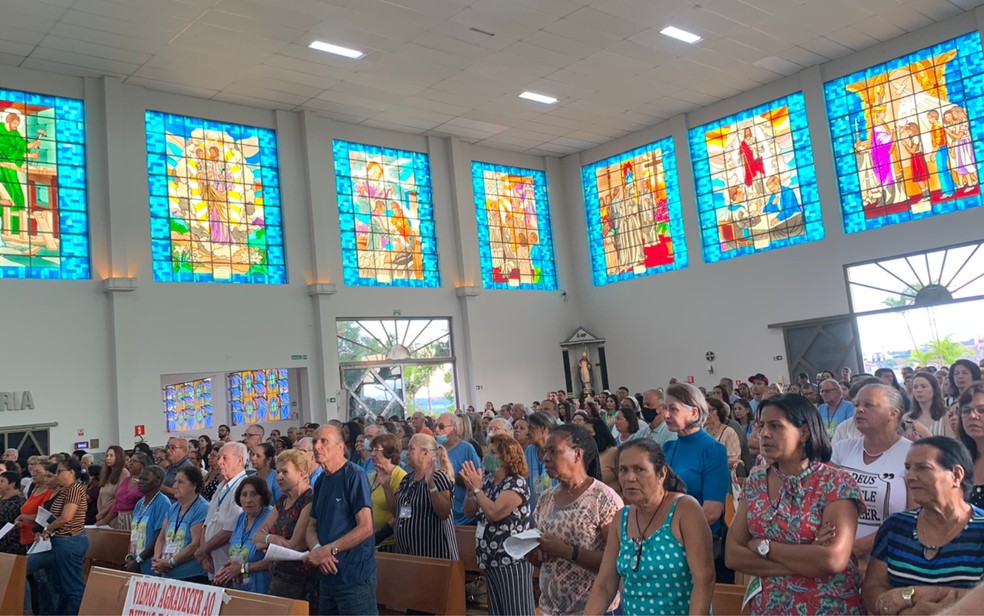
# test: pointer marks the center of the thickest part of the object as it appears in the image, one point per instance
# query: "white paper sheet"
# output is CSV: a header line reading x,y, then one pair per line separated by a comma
x,y
279,552
41,545
6,529
44,516
522,544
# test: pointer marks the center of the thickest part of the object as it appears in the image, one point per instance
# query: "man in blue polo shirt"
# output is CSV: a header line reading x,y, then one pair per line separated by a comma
x,y
341,537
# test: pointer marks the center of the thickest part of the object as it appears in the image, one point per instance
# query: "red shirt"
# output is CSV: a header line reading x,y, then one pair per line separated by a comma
x,y
30,507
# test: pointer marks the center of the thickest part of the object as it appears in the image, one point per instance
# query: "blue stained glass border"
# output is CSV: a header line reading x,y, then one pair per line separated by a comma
x,y
157,123
419,168
542,255
73,219
710,199
965,87
592,210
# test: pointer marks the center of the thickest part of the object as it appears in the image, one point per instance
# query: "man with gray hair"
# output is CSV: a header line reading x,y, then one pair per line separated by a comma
x,y
447,432
10,455
177,458
653,424
222,510
518,411
835,409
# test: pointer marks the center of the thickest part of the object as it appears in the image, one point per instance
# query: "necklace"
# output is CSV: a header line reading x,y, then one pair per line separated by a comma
x,y
872,455
641,539
571,491
932,551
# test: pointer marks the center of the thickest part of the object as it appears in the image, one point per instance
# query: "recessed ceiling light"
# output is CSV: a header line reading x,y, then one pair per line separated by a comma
x,y
338,50
681,35
540,98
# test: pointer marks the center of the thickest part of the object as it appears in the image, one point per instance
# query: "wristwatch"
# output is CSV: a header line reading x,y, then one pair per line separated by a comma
x,y
334,550
908,594
475,491
763,548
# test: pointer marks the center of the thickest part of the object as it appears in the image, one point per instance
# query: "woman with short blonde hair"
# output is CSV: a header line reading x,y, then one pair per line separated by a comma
x,y
426,495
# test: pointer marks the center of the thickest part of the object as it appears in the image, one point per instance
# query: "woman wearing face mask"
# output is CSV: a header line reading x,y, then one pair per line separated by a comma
x,y
499,497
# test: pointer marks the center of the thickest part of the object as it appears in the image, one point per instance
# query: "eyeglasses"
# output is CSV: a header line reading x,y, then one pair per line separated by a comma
x,y
377,450
638,554
828,391
965,411
251,435
440,426
171,447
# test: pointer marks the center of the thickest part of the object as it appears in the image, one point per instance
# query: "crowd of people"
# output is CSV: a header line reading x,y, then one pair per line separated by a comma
x,y
852,495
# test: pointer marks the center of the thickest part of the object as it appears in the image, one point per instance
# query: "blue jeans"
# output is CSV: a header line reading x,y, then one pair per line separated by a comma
x,y
356,599
38,568
65,571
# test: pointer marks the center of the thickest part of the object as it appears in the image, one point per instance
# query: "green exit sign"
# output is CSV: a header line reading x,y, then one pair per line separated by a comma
x,y
297,357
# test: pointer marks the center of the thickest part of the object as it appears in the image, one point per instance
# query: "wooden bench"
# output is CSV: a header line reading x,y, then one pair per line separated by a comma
x,y
108,548
727,600
432,585
465,535
13,577
105,593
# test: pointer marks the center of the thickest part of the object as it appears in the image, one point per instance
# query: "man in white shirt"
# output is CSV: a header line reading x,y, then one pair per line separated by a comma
x,y
223,510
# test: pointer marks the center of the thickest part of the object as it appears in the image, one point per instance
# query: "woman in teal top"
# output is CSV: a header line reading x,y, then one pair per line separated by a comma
x,y
182,530
246,569
661,552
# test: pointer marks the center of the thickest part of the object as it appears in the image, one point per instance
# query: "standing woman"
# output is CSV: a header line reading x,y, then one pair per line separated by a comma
x,y
499,497
385,483
795,526
213,478
246,568
928,407
970,431
262,457
128,494
174,553
148,519
112,475
521,432
11,501
205,449
68,540
287,524
717,426
662,561
607,453
963,372
425,526
574,518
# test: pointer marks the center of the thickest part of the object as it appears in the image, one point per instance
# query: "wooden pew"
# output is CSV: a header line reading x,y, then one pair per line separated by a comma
x,y
465,536
727,600
108,548
13,576
105,593
433,585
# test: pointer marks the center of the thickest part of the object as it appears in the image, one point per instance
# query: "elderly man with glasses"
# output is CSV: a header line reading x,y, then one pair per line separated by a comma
x,y
835,409
177,457
252,437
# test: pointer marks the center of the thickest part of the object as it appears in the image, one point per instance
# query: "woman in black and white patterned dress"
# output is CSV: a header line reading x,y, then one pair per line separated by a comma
x,y
500,499
424,521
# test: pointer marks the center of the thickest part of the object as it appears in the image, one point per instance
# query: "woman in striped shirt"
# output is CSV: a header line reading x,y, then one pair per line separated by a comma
x,y
425,526
925,559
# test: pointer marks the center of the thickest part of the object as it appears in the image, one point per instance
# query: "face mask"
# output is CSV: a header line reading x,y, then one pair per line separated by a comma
x,y
441,439
649,414
491,463
488,436
366,444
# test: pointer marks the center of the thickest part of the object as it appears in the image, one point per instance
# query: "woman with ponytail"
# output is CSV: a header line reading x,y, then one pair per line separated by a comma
x,y
659,553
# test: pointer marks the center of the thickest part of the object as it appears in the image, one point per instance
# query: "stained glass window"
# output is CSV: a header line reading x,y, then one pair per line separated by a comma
x,y
386,216
188,406
906,135
632,202
756,185
44,225
514,238
215,213
259,395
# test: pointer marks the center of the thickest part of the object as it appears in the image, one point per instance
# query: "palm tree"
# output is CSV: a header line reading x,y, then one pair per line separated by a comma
x,y
945,351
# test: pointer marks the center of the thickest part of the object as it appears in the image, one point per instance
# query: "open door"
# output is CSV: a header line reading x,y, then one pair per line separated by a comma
x,y
821,344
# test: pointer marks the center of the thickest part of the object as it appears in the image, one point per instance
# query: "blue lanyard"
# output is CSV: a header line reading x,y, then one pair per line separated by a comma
x,y
247,532
146,510
226,493
182,517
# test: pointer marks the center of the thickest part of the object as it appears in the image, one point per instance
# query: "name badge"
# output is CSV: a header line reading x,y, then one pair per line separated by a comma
x,y
405,512
170,549
134,540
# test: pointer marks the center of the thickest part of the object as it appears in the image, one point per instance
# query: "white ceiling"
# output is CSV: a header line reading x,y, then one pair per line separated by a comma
x,y
433,68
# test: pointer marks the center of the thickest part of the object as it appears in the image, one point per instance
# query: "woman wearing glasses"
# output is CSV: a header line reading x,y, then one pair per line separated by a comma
x,y
385,482
425,526
970,430
660,551
795,526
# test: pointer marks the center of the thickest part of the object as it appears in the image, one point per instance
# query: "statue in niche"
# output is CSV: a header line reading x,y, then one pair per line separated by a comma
x,y
584,366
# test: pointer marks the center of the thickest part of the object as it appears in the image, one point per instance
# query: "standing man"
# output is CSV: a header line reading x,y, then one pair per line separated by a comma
x,y
419,424
177,457
653,414
449,429
620,393
518,411
341,535
10,455
759,383
251,438
224,434
835,409
223,511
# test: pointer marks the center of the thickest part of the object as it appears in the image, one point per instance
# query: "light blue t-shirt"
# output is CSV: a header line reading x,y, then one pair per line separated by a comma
x,y
242,548
178,532
458,455
147,520
275,490
538,478
832,419
702,463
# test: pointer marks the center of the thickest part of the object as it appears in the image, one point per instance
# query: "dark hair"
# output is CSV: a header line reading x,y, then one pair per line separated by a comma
x,y
803,374
630,416
391,446
750,417
895,379
94,471
286,442
269,453
72,464
975,373
602,434
951,453
224,426
860,384
52,467
800,412
111,474
354,432
261,487
581,439
193,475
656,456
976,388
144,447
937,409
12,477
78,453
208,441
720,407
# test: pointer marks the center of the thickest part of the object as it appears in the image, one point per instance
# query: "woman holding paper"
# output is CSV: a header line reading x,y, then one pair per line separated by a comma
x,y
500,499
246,569
287,525
174,554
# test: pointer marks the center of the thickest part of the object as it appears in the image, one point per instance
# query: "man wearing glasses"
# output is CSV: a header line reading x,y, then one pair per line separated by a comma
x,y
252,438
835,409
177,456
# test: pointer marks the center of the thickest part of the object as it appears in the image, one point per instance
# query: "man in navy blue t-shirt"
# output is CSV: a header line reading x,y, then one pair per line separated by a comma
x,y
341,537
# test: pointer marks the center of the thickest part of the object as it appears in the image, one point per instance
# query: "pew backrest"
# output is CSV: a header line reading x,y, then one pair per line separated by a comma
x,y
13,576
432,585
